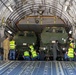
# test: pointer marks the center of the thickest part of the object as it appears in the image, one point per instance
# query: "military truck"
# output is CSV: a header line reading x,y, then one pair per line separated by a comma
x,y
53,41
23,38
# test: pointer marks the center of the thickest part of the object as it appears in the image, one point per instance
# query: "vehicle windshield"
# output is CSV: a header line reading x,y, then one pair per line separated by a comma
x,y
54,30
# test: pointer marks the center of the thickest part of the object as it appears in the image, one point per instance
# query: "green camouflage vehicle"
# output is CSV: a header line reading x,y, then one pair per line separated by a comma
x,y
26,37
53,40
50,34
22,40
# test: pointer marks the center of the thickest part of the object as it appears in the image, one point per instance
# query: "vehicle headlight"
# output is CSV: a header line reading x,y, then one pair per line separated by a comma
x,y
33,43
64,49
53,41
64,40
24,43
43,48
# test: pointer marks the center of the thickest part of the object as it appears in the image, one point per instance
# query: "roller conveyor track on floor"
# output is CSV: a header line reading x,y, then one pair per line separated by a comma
x,y
37,68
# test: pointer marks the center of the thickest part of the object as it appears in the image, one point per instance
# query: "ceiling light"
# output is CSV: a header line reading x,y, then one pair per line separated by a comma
x,y
65,8
70,32
9,32
66,5
10,9
40,11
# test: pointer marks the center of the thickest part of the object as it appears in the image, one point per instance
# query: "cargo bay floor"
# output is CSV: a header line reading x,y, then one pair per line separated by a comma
x,y
37,68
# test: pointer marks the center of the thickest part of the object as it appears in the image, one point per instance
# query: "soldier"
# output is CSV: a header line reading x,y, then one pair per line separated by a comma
x,y
70,49
26,55
12,48
6,47
55,48
34,55
31,47
70,53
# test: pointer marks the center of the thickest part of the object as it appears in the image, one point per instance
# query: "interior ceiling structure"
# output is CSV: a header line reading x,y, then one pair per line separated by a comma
x,y
14,10
37,23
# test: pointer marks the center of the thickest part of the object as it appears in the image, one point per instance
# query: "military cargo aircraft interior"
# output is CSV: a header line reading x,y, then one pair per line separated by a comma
x,y
37,37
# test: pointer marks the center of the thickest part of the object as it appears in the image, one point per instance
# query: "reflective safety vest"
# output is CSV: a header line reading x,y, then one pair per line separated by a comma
x,y
26,53
31,47
71,52
34,54
72,45
12,44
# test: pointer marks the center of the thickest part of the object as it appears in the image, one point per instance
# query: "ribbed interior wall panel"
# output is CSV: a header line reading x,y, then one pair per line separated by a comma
x,y
55,6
